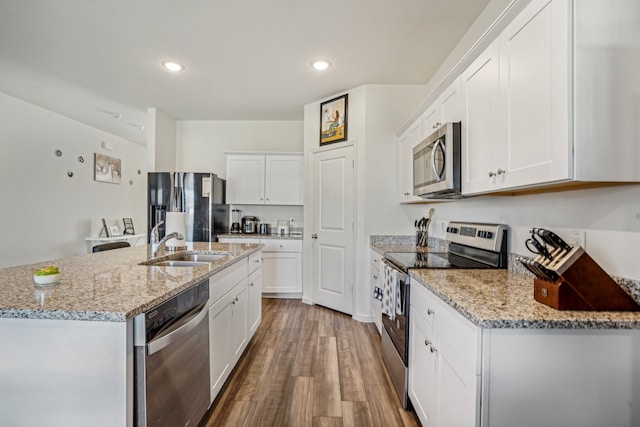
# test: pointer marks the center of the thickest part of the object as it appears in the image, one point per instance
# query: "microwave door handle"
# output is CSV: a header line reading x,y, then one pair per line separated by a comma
x,y
433,159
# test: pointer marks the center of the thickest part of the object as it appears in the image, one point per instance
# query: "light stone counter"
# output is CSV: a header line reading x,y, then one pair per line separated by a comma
x,y
504,299
107,286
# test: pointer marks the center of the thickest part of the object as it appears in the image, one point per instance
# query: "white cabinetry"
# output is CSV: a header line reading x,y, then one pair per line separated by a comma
x,y
271,179
406,142
444,371
375,280
254,291
234,316
281,265
464,375
516,97
446,108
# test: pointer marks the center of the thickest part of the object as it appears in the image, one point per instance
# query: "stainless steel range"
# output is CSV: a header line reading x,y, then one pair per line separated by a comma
x,y
471,245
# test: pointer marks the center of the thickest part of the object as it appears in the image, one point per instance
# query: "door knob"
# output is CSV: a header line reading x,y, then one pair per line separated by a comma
x,y
314,236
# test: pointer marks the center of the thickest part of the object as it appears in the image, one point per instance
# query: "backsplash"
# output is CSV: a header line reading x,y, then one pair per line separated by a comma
x,y
401,243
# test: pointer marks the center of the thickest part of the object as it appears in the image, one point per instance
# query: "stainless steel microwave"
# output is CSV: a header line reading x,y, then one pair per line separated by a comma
x,y
436,164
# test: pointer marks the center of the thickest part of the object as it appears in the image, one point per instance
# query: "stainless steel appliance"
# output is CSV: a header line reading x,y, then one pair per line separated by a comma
x,y
437,164
249,224
264,228
236,218
203,197
471,245
172,360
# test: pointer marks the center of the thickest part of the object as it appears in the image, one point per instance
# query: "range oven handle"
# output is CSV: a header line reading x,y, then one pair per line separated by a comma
x,y
179,329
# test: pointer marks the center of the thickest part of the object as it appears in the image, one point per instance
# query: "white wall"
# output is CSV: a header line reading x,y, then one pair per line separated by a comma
x,y
201,144
46,214
161,141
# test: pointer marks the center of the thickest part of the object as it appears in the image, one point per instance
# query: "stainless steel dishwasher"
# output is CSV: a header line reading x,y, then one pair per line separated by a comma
x,y
172,361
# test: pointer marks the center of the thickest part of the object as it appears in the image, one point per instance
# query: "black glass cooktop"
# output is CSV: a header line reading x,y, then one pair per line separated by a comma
x,y
407,260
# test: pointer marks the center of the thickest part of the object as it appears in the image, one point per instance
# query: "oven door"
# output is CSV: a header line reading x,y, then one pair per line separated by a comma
x,y
397,329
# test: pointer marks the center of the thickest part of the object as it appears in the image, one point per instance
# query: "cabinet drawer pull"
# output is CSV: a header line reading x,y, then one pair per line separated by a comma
x,y
251,284
375,277
432,349
492,174
427,343
430,312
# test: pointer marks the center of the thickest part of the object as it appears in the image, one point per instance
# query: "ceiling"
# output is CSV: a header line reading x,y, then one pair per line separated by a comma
x,y
95,60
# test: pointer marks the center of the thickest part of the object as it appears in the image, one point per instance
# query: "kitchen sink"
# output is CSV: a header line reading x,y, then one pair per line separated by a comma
x,y
177,263
187,260
199,257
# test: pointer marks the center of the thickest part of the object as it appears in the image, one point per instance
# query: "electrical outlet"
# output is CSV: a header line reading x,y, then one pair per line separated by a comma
x,y
577,237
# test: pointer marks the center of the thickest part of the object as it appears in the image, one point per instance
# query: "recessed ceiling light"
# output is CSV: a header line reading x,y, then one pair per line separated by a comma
x,y
321,64
173,66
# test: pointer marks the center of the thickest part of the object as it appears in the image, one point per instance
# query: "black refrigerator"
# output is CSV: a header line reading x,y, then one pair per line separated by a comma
x,y
204,200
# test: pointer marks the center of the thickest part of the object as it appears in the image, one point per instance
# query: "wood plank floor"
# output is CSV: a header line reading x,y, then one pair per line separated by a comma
x,y
309,366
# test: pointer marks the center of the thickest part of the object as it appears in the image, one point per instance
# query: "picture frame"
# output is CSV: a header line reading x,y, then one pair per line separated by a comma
x,y
334,120
104,229
128,226
107,169
114,230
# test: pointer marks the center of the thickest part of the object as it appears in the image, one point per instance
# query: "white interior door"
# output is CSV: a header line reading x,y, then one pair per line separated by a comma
x,y
333,245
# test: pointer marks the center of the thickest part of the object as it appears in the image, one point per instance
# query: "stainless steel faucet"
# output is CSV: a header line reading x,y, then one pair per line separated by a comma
x,y
155,244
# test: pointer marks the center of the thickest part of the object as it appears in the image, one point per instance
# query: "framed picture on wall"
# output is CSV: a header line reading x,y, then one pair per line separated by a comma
x,y
107,169
334,120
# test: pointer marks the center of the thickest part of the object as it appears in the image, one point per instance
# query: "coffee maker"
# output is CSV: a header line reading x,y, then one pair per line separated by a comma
x,y
236,217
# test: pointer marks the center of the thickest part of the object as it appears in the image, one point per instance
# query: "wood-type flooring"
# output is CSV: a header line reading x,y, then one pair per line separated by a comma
x,y
309,366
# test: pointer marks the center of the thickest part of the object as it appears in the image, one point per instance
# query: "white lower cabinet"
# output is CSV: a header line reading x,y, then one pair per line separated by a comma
x,y
234,316
375,280
443,382
281,265
462,375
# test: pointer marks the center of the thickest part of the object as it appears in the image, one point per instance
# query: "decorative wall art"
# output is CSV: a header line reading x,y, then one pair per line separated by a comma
x,y
333,120
128,226
107,169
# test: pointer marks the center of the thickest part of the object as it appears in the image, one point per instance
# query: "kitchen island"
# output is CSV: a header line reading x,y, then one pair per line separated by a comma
x,y
67,357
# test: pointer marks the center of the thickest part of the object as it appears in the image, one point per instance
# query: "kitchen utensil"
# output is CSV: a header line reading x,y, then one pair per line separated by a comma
x,y
537,247
551,238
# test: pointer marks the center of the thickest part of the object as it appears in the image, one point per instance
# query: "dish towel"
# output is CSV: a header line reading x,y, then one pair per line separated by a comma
x,y
391,301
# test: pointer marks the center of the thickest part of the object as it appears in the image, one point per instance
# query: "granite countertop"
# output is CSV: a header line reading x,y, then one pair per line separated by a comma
x,y
504,298
108,286
260,236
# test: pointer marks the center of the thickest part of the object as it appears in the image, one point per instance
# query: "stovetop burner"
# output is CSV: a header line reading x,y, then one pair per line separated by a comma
x,y
471,245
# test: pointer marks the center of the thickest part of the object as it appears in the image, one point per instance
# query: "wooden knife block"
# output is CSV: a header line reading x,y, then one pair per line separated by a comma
x,y
583,285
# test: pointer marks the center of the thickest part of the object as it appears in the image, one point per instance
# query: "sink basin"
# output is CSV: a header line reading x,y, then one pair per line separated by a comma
x,y
178,263
198,257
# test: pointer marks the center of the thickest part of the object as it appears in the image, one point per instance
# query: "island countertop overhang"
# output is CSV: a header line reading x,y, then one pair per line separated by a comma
x,y
109,286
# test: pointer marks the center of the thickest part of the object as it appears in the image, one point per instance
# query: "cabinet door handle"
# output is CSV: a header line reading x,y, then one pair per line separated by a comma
x,y
251,284
314,236
492,174
430,312
375,277
432,349
427,343
501,171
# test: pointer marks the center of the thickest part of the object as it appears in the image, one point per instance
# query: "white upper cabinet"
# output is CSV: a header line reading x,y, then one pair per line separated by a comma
x,y
481,122
516,104
446,108
534,78
271,179
407,141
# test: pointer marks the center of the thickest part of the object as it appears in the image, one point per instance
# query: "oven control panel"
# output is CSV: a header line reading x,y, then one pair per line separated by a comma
x,y
478,235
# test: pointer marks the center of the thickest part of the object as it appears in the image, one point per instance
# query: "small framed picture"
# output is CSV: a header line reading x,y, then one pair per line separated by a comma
x,y
333,120
128,226
114,230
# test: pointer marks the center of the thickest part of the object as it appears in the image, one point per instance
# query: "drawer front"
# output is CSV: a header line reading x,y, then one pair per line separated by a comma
x,y
255,261
222,282
281,245
422,301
